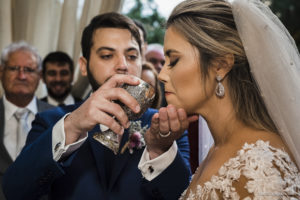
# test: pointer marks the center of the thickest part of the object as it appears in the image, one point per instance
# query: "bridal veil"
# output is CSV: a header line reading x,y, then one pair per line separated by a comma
x,y
275,64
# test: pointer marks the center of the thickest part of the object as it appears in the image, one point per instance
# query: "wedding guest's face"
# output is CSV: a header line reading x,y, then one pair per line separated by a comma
x,y
114,51
20,74
58,79
156,58
181,74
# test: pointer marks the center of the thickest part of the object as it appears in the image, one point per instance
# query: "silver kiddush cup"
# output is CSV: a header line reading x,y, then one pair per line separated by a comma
x,y
144,94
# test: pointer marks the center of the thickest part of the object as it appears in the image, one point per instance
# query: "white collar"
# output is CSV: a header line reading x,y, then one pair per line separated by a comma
x,y
68,100
11,108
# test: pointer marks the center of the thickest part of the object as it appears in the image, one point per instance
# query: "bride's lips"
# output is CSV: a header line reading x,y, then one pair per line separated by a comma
x,y
167,93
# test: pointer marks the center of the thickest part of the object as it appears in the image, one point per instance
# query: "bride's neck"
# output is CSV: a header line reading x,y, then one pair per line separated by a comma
x,y
225,129
222,122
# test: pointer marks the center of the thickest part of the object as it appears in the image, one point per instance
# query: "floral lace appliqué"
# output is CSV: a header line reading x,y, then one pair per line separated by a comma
x,y
269,171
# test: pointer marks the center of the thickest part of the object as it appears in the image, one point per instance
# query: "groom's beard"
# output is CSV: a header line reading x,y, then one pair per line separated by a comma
x,y
91,78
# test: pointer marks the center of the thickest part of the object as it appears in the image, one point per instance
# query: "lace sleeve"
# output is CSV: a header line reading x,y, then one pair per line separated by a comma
x,y
259,171
270,172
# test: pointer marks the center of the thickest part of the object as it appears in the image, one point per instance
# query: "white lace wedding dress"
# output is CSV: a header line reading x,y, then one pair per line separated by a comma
x,y
269,171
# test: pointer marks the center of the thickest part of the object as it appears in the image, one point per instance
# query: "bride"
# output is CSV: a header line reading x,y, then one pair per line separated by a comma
x,y
235,64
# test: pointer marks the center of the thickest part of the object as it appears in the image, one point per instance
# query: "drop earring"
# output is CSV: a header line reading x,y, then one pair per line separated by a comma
x,y
220,90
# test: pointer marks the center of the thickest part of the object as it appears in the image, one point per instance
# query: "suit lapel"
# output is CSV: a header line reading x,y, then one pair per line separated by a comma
x,y
120,161
99,153
1,121
5,159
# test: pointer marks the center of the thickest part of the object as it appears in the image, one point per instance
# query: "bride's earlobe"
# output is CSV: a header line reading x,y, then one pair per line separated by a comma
x,y
223,65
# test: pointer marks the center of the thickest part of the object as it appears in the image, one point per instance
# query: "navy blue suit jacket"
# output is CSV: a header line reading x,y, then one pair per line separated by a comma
x,y
92,171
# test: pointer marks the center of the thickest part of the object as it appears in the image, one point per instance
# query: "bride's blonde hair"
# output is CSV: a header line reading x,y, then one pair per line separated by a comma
x,y
209,26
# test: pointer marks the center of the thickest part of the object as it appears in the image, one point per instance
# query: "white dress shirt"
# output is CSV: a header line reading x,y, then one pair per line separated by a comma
x,y
10,124
68,100
205,139
149,168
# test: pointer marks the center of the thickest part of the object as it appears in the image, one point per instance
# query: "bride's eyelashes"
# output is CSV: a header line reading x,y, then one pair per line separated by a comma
x,y
173,63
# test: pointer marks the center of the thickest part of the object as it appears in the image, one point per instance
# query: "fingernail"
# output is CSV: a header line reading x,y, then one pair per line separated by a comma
x,y
122,131
137,108
136,79
128,124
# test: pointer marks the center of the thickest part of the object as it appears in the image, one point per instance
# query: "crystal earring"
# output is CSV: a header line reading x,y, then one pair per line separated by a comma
x,y
220,90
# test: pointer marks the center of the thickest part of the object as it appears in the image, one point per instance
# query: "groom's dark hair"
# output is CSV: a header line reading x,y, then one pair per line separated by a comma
x,y
107,20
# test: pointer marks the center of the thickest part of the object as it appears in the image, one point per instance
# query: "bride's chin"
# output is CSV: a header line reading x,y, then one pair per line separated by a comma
x,y
189,114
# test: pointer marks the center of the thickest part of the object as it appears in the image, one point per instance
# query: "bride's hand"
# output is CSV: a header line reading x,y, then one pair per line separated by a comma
x,y
166,126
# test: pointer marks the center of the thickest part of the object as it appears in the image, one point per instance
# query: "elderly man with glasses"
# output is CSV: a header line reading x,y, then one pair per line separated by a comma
x,y
20,74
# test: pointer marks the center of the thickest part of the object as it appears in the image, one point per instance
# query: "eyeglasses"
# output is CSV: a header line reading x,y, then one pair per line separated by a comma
x,y
18,69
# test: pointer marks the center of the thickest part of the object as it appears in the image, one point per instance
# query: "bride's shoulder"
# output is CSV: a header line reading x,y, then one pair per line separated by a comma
x,y
262,145
267,168
267,139
263,151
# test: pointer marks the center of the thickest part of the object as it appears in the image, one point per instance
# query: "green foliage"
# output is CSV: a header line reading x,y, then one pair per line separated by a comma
x,y
152,20
287,10
289,13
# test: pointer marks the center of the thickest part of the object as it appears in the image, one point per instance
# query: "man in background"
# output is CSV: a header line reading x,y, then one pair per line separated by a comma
x,y
20,75
58,72
143,34
155,55
152,55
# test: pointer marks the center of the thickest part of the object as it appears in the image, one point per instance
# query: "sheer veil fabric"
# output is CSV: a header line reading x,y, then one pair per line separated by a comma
x,y
275,64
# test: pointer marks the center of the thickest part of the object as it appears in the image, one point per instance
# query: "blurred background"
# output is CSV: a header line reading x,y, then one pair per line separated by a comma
x,y
52,25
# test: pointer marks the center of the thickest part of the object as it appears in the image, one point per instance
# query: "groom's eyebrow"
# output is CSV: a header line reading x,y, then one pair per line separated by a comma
x,y
105,48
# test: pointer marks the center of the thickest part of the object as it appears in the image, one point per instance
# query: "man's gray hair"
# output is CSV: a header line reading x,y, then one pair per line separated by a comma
x,y
20,46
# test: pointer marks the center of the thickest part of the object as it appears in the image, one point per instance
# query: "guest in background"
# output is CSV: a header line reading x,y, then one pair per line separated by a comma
x,y
58,72
149,75
155,55
20,75
143,34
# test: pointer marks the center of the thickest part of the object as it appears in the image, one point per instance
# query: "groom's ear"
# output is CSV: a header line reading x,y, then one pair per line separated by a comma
x,y
223,65
83,66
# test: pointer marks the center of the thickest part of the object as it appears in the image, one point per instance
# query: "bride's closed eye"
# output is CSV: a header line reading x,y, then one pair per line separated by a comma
x,y
173,63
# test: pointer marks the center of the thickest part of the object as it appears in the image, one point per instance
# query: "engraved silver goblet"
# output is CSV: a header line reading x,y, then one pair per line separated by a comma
x,y
144,94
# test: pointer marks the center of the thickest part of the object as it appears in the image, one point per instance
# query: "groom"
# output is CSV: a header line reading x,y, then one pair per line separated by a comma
x,y
62,160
